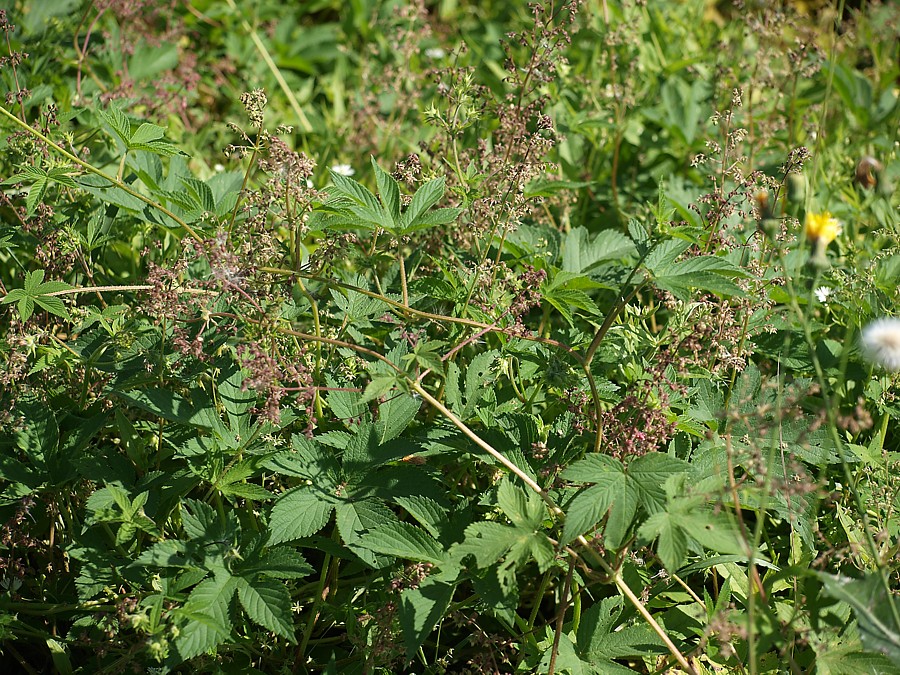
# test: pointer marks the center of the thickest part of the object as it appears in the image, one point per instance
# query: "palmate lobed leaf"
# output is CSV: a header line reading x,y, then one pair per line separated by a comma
x,y
619,490
34,291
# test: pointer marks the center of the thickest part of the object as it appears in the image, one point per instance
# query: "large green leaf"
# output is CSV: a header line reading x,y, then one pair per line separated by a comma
x,y
580,254
403,540
268,603
420,610
300,512
874,608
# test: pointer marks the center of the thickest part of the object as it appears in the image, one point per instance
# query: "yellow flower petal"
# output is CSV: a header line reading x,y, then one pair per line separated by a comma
x,y
822,226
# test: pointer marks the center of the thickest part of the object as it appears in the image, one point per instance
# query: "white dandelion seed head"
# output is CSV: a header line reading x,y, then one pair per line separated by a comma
x,y
343,170
881,343
822,293
435,53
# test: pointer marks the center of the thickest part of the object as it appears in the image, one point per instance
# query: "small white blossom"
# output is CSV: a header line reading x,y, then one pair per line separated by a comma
x,y
881,342
822,293
343,170
435,53
219,168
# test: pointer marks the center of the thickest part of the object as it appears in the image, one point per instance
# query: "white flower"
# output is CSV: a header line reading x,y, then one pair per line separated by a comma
x,y
219,168
435,53
881,342
343,170
822,293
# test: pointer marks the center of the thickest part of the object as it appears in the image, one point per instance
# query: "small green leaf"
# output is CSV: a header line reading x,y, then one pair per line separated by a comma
x,y
425,197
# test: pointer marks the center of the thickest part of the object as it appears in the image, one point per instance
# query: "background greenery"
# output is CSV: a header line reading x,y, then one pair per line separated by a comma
x,y
454,337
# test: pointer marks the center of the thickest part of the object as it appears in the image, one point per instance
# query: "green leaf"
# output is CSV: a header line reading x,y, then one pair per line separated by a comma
x,y
488,542
568,661
268,603
602,638
420,610
34,291
349,189
687,519
298,513
279,562
117,121
649,474
705,272
163,403
146,133
395,415
199,520
389,191
432,219
380,385
672,546
479,376
403,540
524,509
841,659
580,254
354,518
427,512
619,490
874,608
425,197
207,612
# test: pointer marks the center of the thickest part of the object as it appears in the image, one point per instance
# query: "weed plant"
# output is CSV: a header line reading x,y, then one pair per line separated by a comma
x,y
449,337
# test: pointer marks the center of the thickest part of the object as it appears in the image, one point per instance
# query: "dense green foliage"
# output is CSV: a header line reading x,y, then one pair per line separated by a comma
x,y
456,337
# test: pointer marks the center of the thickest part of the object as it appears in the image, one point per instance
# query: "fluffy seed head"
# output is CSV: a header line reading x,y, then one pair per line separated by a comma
x,y
881,342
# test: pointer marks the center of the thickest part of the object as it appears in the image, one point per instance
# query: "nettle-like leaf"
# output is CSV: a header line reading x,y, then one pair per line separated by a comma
x,y
617,492
567,290
351,204
205,617
703,272
601,639
148,137
405,541
524,540
874,608
480,374
353,490
112,504
687,522
40,180
267,603
35,292
208,613
581,254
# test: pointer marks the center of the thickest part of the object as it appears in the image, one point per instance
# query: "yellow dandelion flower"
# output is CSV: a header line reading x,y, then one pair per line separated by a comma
x,y
822,227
